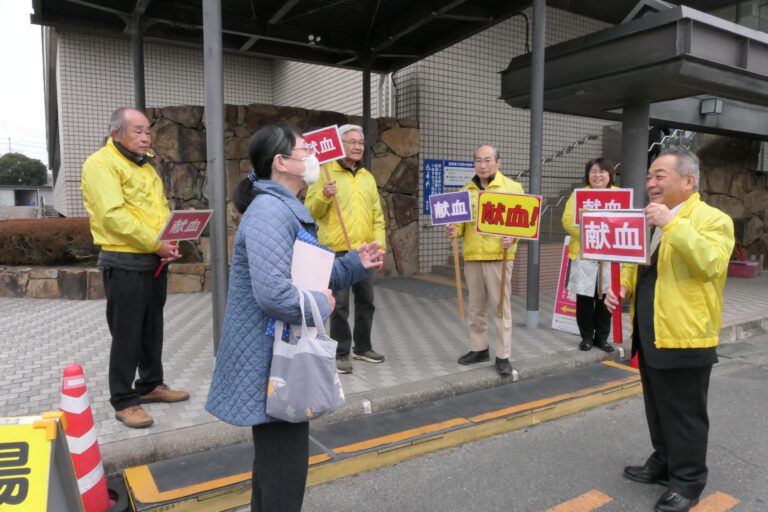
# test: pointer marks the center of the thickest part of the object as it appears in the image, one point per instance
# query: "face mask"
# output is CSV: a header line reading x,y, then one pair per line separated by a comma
x,y
311,170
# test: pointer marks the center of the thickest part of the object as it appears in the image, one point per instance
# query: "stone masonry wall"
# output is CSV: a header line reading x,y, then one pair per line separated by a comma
x,y
730,182
178,135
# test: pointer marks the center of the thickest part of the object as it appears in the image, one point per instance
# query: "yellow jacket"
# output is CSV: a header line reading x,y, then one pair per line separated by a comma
x,y
692,266
360,207
125,201
574,246
479,247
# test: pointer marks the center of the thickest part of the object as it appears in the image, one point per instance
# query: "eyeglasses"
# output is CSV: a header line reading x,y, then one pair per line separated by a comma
x,y
306,149
354,142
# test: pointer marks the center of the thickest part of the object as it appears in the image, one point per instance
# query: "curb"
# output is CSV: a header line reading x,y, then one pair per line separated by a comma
x,y
216,434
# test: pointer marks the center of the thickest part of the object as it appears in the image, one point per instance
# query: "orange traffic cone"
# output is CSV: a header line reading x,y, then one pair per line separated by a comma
x,y
81,438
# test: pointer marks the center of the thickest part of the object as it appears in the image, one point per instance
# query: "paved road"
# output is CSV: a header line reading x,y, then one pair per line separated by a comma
x,y
580,458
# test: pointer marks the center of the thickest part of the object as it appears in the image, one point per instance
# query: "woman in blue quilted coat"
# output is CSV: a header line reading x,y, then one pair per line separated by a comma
x,y
260,289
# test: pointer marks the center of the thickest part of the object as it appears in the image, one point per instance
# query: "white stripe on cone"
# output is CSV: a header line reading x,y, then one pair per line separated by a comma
x,y
78,445
75,405
86,482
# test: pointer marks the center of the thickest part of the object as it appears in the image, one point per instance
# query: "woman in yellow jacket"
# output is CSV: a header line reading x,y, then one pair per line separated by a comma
x,y
592,317
482,270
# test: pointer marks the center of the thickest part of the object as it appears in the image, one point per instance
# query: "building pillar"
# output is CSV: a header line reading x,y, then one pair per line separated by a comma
x,y
634,147
367,126
137,51
534,160
216,169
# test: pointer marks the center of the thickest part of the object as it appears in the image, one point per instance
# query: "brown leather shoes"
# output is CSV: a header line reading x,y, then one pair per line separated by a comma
x,y
163,393
134,417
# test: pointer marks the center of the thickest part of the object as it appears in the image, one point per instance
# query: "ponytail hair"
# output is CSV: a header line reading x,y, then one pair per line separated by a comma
x,y
268,142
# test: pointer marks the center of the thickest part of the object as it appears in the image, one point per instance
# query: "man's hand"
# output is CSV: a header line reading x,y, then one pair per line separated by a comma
x,y
658,214
451,230
168,252
611,301
329,297
371,255
506,241
329,189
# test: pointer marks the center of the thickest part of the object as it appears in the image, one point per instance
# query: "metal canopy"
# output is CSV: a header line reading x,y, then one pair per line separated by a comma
x,y
665,58
388,34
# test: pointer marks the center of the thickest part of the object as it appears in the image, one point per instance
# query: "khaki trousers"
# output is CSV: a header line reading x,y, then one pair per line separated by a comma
x,y
484,285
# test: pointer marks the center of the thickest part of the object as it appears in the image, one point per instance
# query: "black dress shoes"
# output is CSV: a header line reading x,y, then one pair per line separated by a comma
x,y
605,346
503,367
646,475
585,345
473,357
672,501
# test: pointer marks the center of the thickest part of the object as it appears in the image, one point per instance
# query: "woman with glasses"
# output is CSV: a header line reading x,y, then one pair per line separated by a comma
x,y
592,317
260,290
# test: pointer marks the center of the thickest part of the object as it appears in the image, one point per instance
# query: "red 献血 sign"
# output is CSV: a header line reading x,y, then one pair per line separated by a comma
x,y
614,236
601,199
185,225
325,143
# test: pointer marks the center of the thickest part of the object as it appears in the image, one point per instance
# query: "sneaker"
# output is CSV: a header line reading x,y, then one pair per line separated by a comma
x,y
473,357
343,365
503,367
369,356
163,393
134,417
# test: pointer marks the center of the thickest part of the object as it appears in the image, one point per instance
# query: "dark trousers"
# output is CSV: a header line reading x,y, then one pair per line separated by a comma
x,y
281,458
676,410
593,319
135,302
364,309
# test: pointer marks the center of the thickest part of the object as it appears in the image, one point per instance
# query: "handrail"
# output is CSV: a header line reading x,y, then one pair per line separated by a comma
x,y
558,154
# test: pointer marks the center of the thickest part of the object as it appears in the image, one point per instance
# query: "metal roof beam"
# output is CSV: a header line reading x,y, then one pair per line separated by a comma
x,y
403,26
282,11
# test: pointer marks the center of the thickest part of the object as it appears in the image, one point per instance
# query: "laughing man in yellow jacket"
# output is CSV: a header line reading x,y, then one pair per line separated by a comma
x,y
355,189
482,270
124,197
677,304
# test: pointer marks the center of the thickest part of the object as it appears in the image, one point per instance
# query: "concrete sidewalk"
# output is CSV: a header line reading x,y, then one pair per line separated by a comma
x,y
415,327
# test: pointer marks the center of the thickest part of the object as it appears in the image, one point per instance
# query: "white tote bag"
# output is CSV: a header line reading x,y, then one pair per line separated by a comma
x,y
303,383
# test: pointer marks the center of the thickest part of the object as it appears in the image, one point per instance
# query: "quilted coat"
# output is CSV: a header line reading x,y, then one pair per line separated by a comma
x,y
259,289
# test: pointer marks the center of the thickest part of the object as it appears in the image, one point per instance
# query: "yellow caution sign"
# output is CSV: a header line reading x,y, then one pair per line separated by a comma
x,y
508,214
35,469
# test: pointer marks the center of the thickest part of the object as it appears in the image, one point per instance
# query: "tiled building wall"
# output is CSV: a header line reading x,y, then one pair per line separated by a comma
x,y
95,77
298,84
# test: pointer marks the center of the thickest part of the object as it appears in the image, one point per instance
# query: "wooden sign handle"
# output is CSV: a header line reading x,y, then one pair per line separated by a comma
x,y
457,272
336,207
500,309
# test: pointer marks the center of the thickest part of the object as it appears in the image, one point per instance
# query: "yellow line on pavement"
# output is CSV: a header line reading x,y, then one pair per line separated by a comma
x,y
621,366
400,436
585,503
717,502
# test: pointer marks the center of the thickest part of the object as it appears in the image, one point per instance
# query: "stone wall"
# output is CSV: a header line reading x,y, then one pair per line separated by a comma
x,y
731,182
76,283
179,140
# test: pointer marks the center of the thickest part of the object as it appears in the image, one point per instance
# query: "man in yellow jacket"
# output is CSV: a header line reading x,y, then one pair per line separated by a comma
x,y
124,198
354,187
482,266
677,304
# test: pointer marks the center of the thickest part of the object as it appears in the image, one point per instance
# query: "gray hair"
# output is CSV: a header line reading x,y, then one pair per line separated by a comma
x,y
117,120
343,129
687,163
494,148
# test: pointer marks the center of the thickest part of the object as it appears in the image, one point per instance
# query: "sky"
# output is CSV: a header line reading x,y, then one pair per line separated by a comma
x,y
22,103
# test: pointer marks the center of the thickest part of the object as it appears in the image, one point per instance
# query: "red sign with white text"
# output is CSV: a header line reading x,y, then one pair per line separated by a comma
x,y
325,143
185,225
601,199
614,236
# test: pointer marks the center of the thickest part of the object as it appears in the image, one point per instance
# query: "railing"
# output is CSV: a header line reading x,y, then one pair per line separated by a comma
x,y
557,154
